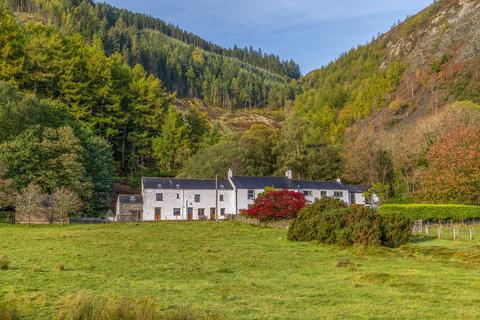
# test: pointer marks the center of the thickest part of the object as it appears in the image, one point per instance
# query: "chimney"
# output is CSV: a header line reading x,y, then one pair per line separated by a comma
x,y
289,174
339,180
230,173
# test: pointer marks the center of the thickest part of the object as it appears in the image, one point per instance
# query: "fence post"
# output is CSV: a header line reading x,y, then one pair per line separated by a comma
x,y
471,234
439,232
426,231
454,233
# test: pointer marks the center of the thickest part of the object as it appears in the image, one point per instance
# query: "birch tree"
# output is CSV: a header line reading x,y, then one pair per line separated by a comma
x,y
65,202
29,200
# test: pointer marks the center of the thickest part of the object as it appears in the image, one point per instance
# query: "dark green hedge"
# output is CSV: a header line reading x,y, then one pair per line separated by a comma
x,y
328,221
432,211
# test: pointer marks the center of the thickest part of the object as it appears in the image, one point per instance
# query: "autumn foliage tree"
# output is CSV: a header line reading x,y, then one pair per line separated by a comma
x,y
277,204
453,173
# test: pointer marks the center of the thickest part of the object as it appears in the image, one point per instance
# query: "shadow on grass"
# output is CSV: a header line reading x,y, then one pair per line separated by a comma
x,y
422,239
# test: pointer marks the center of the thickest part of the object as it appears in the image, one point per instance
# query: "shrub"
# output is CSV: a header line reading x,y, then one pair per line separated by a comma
x,y
304,226
349,226
9,311
396,229
432,211
281,204
360,226
4,263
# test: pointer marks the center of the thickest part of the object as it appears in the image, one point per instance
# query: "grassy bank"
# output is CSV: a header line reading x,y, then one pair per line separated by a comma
x,y
237,271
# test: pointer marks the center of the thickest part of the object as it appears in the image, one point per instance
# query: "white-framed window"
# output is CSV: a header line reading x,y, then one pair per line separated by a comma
x,y
178,195
251,194
221,197
338,194
177,211
307,193
197,198
323,194
222,211
159,196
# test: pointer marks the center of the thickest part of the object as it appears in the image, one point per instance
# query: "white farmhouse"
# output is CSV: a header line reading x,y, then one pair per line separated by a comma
x,y
186,199
210,199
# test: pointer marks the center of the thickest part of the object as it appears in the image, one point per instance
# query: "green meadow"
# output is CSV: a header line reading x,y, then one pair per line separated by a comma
x,y
233,271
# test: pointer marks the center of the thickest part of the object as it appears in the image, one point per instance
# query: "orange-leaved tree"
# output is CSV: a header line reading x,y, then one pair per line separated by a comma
x,y
453,172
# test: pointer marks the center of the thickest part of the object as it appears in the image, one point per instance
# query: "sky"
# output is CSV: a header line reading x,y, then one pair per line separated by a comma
x,y
311,32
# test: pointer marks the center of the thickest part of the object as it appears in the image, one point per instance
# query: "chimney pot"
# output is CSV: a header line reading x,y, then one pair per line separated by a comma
x,y
289,174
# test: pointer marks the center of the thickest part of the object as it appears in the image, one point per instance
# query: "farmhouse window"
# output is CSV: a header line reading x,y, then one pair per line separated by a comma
x,y
201,212
159,196
338,194
176,211
323,194
307,193
221,197
251,194
178,195
222,211
197,198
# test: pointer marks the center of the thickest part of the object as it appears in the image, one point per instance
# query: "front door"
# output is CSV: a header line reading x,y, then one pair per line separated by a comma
x,y
352,198
158,214
190,214
212,214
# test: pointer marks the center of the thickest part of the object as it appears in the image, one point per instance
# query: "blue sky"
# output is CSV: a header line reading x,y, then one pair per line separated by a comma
x,y
312,32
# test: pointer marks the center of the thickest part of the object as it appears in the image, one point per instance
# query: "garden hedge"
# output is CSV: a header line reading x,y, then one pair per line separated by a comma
x,y
432,211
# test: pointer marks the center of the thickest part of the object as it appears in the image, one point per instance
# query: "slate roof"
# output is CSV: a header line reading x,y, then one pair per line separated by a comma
x,y
187,184
262,182
130,198
357,188
319,185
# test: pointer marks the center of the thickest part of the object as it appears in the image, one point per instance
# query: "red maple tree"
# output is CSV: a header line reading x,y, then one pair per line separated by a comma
x,y
278,204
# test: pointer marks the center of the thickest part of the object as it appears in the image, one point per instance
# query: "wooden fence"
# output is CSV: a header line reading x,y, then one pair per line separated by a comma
x,y
465,230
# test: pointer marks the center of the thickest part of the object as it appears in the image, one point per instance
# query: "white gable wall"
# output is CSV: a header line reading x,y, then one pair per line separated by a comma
x,y
242,198
317,194
183,199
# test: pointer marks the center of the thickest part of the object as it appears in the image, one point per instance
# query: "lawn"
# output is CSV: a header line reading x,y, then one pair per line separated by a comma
x,y
238,272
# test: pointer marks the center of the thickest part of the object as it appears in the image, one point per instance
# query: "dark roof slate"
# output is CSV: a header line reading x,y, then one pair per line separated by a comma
x,y
357,188
319,185
130,198
187,184
262,182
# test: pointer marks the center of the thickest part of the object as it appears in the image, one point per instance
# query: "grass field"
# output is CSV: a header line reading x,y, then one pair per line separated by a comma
x,y
238,271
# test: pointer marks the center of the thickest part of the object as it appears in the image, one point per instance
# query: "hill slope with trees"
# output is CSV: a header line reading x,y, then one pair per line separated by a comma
x,y
386,108
184,62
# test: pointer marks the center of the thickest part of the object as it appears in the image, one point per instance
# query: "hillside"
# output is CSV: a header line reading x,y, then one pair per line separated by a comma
x,y
184,62
426,62
381,106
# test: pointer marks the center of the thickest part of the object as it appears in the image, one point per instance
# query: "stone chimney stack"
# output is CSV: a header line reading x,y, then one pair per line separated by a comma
x,y
339,180
289,174
230,173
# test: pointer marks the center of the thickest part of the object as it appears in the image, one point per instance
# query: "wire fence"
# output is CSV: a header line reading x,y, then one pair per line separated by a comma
x,y
465,230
